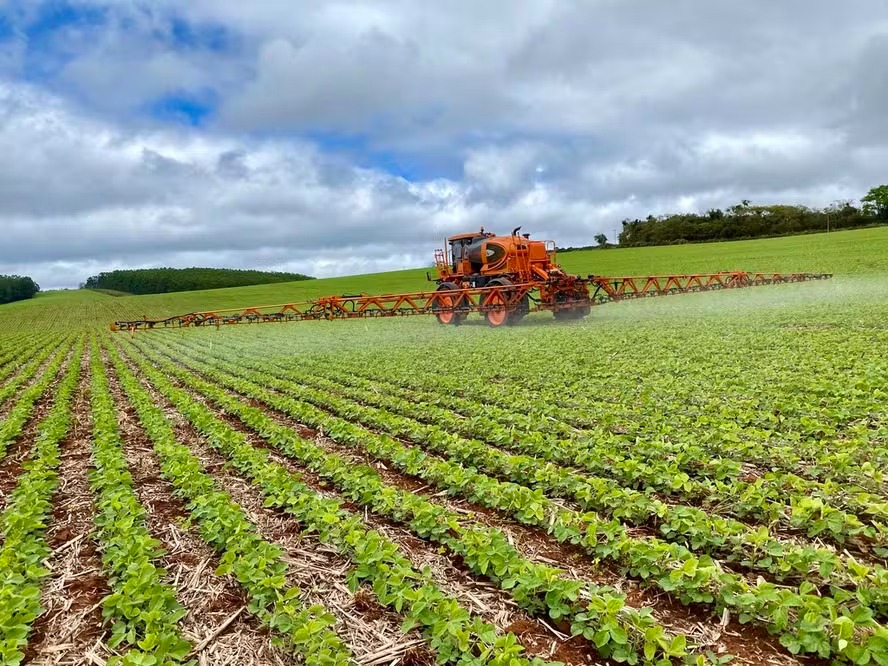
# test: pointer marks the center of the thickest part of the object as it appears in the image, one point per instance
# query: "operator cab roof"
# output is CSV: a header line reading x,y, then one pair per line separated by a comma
x,y
474,234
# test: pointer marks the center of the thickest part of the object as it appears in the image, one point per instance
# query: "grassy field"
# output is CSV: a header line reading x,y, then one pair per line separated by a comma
x,y
693,479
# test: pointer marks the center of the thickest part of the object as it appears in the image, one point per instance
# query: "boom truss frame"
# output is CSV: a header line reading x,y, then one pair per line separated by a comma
x,y
603,289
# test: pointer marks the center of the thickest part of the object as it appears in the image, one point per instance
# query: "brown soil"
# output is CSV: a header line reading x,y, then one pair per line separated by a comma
x,y
7,406
190,562
750,644
19,451
482,597
71,625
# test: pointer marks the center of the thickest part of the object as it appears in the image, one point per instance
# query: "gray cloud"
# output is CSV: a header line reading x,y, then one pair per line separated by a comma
x,y
565,117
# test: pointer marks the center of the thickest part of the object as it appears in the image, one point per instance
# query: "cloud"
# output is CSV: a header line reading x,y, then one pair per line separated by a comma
x,y
249,134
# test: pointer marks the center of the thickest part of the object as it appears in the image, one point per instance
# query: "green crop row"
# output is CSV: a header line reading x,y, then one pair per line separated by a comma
x,y
795,502
695,471
11,426
695,527
805,620
19,355
753,548
255,563
142,608
23,523
618,631
451,631
30,368
742,429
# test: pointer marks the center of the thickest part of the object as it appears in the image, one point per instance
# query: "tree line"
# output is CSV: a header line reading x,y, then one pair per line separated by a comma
x,y
745,220
17,288
166,280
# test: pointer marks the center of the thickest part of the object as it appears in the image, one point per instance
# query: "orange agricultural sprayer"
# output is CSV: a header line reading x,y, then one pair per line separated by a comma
x,y
502,278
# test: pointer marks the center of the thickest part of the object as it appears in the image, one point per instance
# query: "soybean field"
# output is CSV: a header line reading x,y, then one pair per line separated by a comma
x,y
697,479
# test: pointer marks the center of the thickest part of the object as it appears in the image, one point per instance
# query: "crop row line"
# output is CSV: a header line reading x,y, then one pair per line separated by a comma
x,y
11,426
636,458
144,609
452,632
853,462
805,620
19,355
256,563
593,405
23,523
597,612
753,548
794,502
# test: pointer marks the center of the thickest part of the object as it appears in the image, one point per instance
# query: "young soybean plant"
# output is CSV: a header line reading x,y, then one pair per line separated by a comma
x,y
23,523
142,609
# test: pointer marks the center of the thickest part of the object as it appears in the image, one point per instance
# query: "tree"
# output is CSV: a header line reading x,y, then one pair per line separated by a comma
x,y
17,288
875,202
601,239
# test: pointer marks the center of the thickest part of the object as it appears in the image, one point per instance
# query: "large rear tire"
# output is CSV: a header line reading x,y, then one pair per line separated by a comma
x,y
448,307
504,315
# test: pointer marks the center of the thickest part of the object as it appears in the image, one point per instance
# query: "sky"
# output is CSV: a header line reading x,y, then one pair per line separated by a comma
x,y
335,138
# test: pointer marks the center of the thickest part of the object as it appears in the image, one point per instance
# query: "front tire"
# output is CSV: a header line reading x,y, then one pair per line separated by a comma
x,y
448,307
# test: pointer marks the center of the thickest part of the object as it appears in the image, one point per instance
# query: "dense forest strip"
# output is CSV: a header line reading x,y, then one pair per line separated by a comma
x,y
256,563
17,288
168,280
747,221
534,586
450,629
23,523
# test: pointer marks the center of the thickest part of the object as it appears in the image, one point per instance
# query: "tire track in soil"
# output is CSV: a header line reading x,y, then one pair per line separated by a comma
x,y
749,644
70,627
190,562
476,594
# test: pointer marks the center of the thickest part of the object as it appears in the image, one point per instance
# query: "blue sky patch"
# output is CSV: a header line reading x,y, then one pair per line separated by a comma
x,y
410,166
183,108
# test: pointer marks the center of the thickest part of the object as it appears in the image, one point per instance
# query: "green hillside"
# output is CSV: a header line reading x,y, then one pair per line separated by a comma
x,y
846,253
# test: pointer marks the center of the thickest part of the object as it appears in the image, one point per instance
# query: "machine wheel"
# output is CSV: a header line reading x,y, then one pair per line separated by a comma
x,y
502,316
450,316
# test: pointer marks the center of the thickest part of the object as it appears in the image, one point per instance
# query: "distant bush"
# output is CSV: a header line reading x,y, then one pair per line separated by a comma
x,y
17,288
166,280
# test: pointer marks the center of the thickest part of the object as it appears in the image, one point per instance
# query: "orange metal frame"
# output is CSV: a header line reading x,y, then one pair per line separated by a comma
x,y
482,299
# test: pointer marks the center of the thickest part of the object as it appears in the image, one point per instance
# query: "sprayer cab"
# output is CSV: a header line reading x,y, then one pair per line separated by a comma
x,y
476,259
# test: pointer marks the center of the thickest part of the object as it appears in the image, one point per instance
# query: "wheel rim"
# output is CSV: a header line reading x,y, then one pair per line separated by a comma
x,y
446,317
498,316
